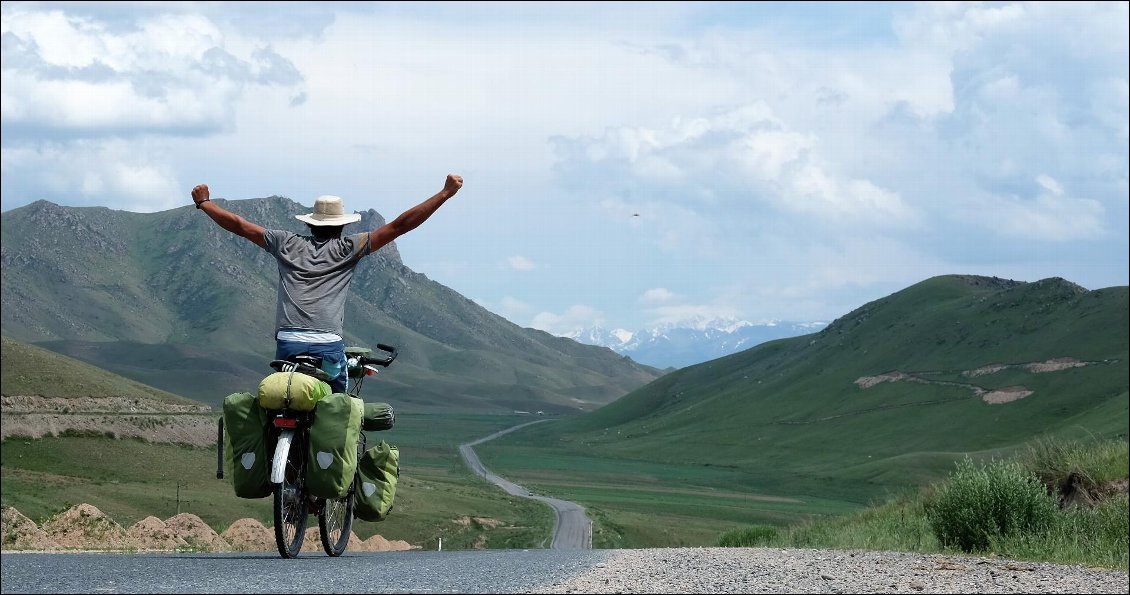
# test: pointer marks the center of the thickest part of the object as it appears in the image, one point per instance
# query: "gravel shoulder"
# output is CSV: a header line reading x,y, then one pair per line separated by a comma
x,y
771,570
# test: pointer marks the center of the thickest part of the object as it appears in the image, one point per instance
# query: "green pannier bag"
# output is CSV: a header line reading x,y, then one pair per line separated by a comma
x,y
245,438
377,473
291,390
378,416
334,434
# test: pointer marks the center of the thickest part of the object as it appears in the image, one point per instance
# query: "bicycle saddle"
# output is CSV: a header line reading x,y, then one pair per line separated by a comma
x,y
305,364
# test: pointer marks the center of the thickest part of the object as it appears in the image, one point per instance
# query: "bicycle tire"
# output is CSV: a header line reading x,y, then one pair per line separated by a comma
x,y
290,509
335,517
335,523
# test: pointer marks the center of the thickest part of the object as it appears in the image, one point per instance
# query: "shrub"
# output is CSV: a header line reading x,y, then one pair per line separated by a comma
x,y
980,504
1070,465
1081,535
751,536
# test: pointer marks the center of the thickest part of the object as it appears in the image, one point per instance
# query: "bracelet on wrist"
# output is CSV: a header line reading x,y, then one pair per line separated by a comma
x,y
200,204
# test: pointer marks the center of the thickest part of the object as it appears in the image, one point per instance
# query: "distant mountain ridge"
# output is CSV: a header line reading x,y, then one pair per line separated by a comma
x,y
677,345
171,300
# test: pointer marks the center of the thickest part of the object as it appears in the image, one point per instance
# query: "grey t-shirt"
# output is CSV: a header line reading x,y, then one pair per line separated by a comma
x,y
313,278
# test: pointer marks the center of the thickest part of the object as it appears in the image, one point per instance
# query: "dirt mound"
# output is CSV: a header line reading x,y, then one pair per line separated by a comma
x,y
399,545
1055,365
249,535
485,522
1005,395
196,533
869,381
989,369
21,533
85,527
376,543
313,541
151,533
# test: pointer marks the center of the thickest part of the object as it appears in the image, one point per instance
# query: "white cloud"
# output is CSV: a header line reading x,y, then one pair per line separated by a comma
x,y
520,263
575,318
1050,216
140,176
810,190
669,226
666,308
657,295
510,308
514,309
743,154
169,73
93,108
689,314
1049,184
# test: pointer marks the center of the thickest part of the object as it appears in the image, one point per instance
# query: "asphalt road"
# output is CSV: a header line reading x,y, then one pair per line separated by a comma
x,y
572,529
469,571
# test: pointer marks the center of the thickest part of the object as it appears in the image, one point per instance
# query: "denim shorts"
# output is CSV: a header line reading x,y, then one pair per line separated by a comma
x,y
332,354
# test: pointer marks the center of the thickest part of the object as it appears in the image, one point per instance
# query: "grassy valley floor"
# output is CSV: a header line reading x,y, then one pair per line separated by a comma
x,y
130,479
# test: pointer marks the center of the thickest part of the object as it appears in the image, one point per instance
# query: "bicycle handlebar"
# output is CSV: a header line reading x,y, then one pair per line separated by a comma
x,y
380,361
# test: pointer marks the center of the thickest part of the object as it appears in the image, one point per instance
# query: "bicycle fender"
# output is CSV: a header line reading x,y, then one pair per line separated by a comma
x,y
282,451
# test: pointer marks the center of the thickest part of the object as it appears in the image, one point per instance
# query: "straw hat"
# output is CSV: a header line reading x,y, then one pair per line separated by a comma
x,y
329,210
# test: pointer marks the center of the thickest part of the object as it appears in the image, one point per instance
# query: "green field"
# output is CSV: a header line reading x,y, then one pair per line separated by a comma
x,y
652,504
130,480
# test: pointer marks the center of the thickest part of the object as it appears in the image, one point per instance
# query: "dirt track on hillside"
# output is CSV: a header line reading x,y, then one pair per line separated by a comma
x,y
116,417
991,396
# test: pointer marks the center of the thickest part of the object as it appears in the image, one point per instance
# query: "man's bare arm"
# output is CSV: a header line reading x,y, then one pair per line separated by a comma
x,y
412,218
226,219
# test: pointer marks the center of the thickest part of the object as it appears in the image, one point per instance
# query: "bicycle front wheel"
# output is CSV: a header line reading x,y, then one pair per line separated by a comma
x,y
335,524
290,505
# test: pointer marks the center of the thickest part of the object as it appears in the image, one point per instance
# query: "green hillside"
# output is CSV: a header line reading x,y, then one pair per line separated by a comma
x,y
885,398
171,300
32,371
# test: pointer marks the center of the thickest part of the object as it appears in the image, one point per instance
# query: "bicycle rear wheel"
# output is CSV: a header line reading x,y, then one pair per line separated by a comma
x,y
335,524
290,505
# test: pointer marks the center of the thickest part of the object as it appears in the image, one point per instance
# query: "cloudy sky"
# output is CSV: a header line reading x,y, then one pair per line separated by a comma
x,y
625,164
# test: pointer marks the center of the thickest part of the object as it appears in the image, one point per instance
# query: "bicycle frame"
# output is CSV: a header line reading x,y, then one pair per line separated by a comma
x,y
287,434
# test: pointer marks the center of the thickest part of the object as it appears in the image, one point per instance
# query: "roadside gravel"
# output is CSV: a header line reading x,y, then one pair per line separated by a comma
x,y
765,570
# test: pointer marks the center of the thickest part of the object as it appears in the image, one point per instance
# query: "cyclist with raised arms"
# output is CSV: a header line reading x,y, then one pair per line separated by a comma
x,y
315,270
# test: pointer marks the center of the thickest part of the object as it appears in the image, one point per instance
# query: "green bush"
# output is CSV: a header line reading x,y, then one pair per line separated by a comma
x,y
1092,463
751,536
1081,535
980,504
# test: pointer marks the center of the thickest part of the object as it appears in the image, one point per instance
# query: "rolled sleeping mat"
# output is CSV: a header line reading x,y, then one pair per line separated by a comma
x,y
378,416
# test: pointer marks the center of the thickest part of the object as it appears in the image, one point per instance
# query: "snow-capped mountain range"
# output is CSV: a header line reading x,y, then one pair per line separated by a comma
x,y
691,342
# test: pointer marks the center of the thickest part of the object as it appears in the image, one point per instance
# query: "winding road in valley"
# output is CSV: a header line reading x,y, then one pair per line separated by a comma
x,y
572,529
